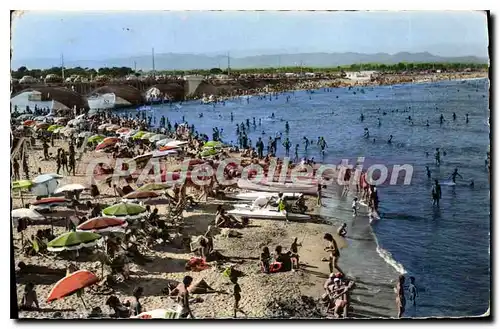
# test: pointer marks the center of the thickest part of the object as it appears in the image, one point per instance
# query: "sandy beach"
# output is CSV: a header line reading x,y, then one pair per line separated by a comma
x,y
261,293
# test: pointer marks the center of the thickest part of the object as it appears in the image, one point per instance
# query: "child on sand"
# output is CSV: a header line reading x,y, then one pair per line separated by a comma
x,y
355,206
236,295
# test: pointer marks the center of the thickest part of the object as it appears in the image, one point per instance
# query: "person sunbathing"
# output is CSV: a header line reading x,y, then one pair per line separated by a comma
x,y
121,310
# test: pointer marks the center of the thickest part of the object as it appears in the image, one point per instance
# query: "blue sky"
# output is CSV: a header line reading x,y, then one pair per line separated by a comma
x,y
98,35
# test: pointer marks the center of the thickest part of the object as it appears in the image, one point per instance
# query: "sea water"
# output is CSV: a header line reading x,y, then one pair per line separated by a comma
x,y
446,249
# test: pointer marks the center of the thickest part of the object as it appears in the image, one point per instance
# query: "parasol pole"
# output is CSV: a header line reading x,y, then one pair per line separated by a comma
x,y
83,301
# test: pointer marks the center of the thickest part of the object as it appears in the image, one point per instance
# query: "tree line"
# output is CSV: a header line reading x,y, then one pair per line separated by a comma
x,y
122,72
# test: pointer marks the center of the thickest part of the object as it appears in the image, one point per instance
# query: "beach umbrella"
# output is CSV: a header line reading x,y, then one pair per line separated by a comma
x,y
29,123
139,134
76,121
53,127
103,126
168,148
163,142
212,144
147,136
70,188
72,283
159,154
140,196
112,127
40,118
103,224
123,130
125,211
26,213
157,314
110,141
43,125
26,116
21,128
96,138
22,184
85,134
176,143
45,184
49,202
157,137
208,152
130,133
153,187
73,241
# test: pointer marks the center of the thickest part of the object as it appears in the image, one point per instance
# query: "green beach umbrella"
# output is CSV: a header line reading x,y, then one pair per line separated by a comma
x,y
125,211
208,152
138,134
212,144
73,241
54,127
147,136
96,138
153,187
22,184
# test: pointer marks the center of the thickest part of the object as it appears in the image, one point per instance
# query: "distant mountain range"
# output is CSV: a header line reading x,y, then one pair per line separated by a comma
x,y
172,61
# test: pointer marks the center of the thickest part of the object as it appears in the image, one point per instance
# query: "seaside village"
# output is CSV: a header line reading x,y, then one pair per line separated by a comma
x,y
115,217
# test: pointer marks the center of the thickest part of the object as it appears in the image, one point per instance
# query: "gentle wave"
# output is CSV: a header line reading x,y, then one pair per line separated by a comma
x,y
387,257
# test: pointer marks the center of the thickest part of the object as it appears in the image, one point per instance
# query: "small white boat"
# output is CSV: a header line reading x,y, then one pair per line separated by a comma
x,y
252,196
266,213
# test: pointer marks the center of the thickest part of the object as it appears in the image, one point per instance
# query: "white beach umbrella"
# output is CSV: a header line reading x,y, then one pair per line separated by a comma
x,y
70,187
26,213
159,154
85,134
45,184
176,143
162,142
157,137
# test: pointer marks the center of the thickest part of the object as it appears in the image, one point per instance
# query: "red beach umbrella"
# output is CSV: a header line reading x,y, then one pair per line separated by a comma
x,y
102,224
29,123
107,142
141,195
52,201
166,148
71,284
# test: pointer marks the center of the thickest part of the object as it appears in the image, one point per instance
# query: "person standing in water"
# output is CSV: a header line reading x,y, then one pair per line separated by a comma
x,y
454,116
287,146
467,118
412,291
454,175
260,148
437,156
390,140
400,296
322,145
366,133
306,143
287,127
296,152
428,172
232,117
436,193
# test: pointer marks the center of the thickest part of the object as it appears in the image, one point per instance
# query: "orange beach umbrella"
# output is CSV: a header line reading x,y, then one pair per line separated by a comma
x,y
71,284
